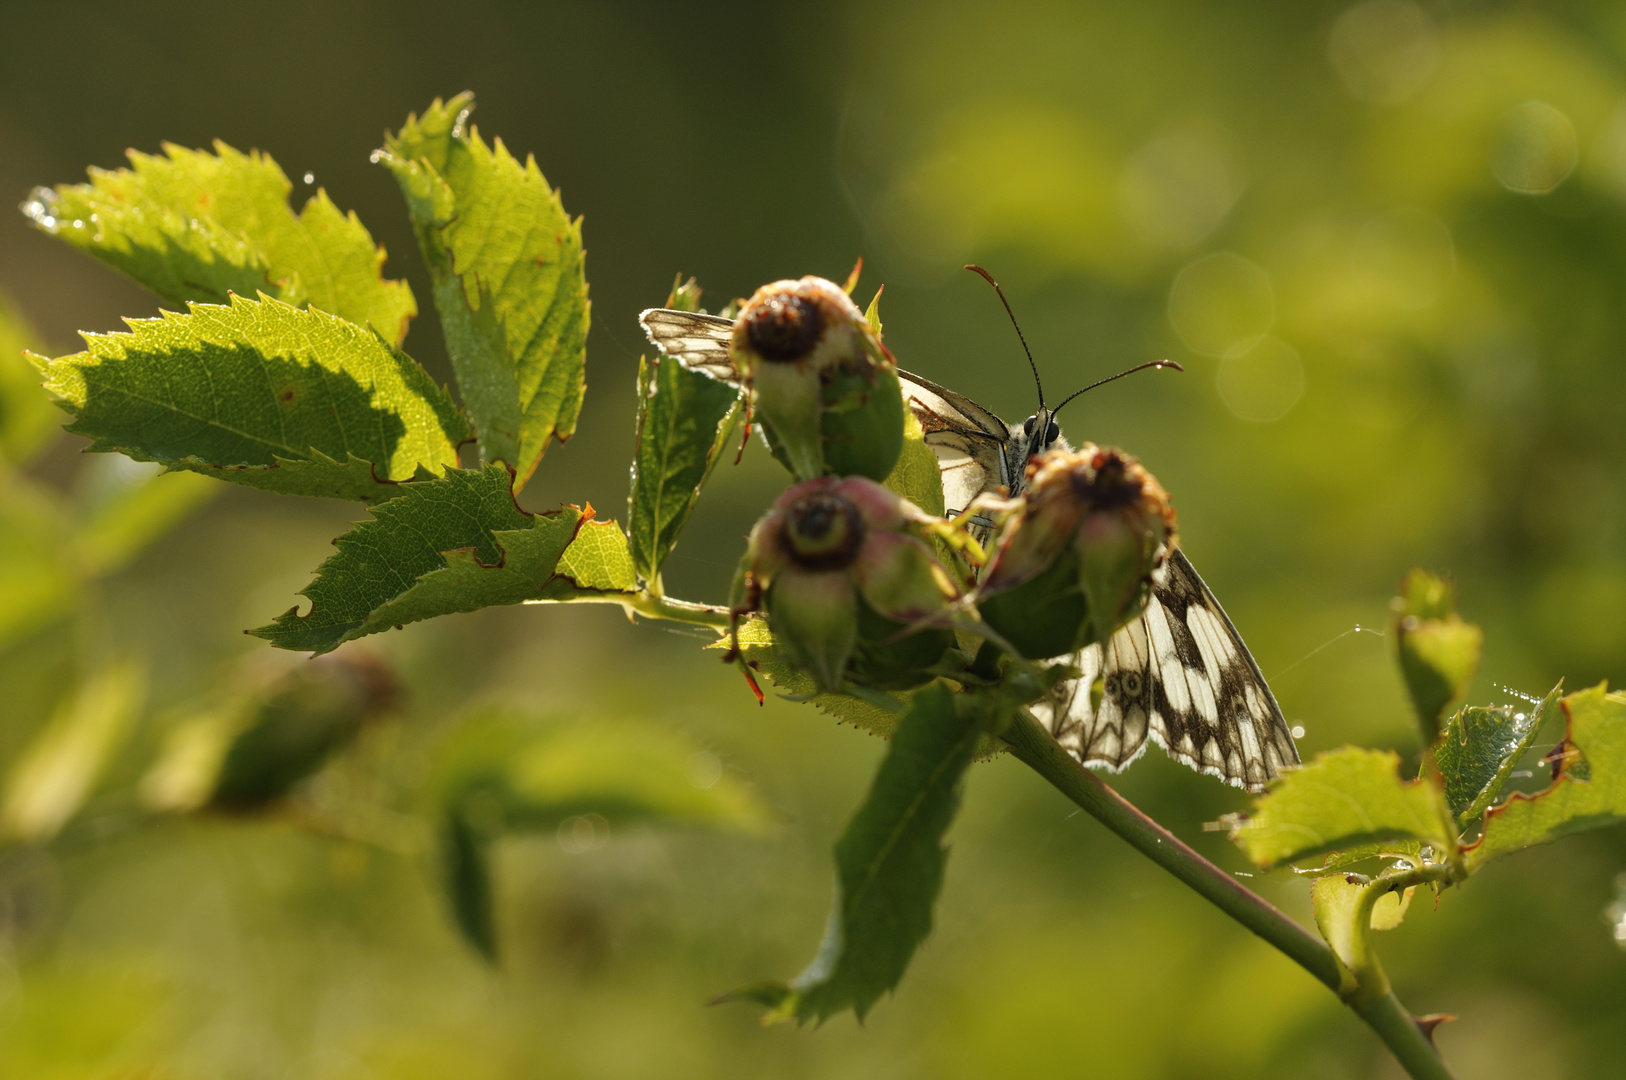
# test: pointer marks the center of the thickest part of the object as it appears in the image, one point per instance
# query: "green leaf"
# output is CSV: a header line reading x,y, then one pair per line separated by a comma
x,y
1439,652
767,657
457,543
27,417
685,418
1589,790
195,226
39,580
1341,800
58,770
262,394
889,865
917,475
598,561
1479,748
509,280
1345,911
130,504
504,773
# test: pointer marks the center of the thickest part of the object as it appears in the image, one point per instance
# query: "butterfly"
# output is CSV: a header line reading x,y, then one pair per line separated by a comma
x,y
1178,675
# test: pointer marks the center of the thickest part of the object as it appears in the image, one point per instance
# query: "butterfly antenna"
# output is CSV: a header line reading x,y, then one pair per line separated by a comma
x,y
1121,374
986,276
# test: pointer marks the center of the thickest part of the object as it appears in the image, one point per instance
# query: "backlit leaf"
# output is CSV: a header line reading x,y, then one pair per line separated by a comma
x,y
509,280
27,417
768,658
1479,747
685,418
1589,791
195,226
262,394
457,543
889,865
39,580
1341,800
1439,652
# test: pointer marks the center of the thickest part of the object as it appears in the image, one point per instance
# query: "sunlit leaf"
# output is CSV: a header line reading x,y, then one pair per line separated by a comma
x,y
1342,800
1589,791
509,280
1439,652
598,560
1339,910
60,768
195,226
685,418
889,866
457,543
917,476
1479,747
27,417
263,394
505,773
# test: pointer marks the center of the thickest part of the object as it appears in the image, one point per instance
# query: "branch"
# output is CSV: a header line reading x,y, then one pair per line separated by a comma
x,y
1033,746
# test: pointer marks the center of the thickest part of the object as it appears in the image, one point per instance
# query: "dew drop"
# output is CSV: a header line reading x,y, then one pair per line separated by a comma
x,y
376,156
310,178
78,224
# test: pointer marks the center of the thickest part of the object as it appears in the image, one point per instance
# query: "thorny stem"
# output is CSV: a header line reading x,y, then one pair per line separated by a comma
x,y
1034,747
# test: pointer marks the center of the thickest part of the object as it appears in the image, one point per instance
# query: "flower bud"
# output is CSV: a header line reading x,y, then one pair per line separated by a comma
x,y
1075,562
842,571
823,386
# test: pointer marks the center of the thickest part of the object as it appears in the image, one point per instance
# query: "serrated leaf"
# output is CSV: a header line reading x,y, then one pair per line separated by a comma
x,y
27,417
1589,791
768,658
1341,800
58,770
1479,747
598,559
264,394
509,280
457,543
195,226
889,865
685,419
505,773
1438,650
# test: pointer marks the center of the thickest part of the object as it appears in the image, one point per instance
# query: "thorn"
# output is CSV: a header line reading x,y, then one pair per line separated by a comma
x,y
751,681
1431,1021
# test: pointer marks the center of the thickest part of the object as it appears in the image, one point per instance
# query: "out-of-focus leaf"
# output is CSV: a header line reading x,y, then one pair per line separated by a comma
x,y
195,226
255,746
510,773
38,579
509,280
1479,747
129,504
457,543
889,866
685,419
1341,800
263,394
1589,790
767,657
27,417
52,779
1439,652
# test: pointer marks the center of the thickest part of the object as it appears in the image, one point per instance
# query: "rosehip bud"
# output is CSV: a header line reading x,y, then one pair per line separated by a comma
x,y
842,571
823,386
1075,562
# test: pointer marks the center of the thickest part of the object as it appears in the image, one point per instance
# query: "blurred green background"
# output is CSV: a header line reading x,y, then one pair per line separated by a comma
x,y
1388,241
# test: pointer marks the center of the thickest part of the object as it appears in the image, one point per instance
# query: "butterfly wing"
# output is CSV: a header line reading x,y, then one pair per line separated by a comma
x,y
1180,674
971,443
697,341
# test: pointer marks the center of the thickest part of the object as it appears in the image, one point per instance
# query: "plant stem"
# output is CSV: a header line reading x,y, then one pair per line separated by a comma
x,y
651,606
1033,746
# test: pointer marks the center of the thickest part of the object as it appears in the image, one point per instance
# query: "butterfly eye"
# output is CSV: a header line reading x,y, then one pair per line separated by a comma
x,y
1027,426
1052,433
